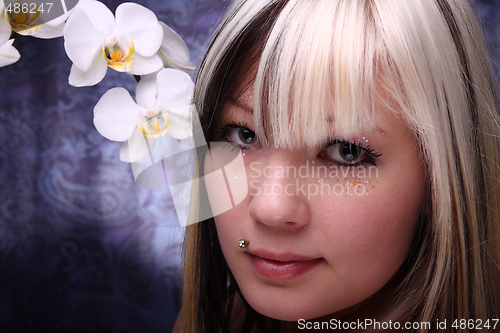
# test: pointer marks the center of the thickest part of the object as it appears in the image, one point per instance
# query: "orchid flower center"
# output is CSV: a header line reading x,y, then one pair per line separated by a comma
x,y
120,59
156,124
23,23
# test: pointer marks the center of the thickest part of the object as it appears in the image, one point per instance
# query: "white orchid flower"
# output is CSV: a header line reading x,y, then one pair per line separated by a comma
x,y
8,53
163,107
35,18
94,40
174,52
26,24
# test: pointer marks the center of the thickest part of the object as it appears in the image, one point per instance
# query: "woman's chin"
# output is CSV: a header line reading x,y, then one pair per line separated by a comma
x,y
287,312
284,314
301,308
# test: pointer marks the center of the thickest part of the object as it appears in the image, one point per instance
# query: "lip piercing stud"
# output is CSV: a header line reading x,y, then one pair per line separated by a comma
x,y
243,243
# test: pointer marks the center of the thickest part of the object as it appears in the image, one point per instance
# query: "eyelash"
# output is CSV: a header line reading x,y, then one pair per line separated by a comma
x,y
223,130
369,159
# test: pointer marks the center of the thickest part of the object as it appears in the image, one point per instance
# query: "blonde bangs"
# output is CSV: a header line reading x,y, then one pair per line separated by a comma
x,y
317,78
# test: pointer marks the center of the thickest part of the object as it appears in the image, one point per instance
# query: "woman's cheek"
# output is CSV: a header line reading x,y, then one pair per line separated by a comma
x,y
225,177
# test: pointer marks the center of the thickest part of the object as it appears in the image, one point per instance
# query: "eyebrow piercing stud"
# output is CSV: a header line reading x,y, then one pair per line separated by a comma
x,y
243,243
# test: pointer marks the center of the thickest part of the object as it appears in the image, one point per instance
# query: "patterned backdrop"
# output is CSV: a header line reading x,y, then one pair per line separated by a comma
x,y
82,248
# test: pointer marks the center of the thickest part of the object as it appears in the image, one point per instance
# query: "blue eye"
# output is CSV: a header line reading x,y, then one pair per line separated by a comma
x,y
350,152
345,153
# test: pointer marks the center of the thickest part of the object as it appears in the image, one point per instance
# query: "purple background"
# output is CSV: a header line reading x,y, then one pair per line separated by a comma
x,y
82,248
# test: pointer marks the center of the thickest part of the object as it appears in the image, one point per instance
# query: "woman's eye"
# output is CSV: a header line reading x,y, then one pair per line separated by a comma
x,y
247,136
242,136
346,154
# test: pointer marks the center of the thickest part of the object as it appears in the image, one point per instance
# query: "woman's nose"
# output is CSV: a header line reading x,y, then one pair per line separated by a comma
x,y
278,194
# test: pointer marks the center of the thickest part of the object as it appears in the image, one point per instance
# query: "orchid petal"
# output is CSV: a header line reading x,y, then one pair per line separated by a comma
x,y
81,40
116,114
179,125
96,72
4,27
8,54
62,18
146,91
48,31
175,89
136,147
174,52
140,24
145,65
100,16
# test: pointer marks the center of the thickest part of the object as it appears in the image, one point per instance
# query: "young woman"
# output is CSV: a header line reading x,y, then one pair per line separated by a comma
x,y
370,135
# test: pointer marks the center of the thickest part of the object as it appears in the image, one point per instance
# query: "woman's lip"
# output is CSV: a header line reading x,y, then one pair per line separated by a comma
x,y
284,266
283,257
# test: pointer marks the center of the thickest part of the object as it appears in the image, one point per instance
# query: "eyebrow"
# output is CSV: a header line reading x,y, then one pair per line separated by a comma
x,y
250,111
241,106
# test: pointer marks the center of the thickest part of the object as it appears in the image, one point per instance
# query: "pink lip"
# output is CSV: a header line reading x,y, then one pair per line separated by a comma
x,y
284,266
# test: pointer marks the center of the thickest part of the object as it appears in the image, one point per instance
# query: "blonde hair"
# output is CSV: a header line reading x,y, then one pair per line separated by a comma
x,y
326,65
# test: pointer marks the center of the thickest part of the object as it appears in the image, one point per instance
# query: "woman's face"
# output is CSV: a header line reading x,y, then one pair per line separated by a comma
x,y
327,227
